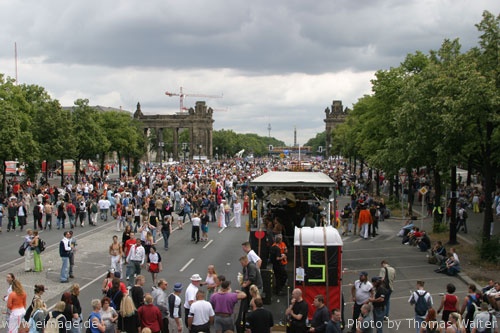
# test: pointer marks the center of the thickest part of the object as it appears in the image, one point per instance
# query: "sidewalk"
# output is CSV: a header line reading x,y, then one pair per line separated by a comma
x,y
472,237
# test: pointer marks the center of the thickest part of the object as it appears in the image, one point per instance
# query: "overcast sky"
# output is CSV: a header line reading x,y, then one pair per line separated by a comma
x,y
278,62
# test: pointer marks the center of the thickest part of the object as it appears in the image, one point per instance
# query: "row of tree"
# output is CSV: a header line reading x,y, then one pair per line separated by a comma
x,y
438,110
36,127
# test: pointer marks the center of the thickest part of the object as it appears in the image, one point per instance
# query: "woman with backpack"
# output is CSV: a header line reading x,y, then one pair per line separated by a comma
x,y
39,290
37,317
115,294
55,321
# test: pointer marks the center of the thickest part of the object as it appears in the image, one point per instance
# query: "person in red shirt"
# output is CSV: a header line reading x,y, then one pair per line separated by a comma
x,y
128,243
71,210
150,315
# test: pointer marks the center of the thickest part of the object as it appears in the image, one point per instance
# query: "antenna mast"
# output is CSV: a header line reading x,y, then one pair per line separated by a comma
x,y
15,55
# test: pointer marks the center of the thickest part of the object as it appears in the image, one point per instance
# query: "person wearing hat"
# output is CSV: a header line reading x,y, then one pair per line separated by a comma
x,y
174,309
190,295
378,301
278,257
361,292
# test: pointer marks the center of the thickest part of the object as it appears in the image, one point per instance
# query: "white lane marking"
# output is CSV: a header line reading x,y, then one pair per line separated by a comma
x,y
186,265
209,242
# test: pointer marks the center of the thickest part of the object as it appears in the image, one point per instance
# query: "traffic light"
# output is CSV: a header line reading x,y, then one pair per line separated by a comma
x,y
270,147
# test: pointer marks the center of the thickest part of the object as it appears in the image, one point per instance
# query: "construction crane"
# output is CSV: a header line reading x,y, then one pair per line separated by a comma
x,y
182,95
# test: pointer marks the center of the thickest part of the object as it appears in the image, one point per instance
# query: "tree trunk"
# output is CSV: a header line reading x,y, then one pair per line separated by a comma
x,y
469,172
377,183
77,170
119,165
103,157
489,189
4,178
128,165
438,219
62,172
453,207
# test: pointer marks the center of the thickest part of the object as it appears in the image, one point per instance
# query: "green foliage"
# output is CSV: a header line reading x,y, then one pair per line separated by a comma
x,y
489,249
228,143
439,227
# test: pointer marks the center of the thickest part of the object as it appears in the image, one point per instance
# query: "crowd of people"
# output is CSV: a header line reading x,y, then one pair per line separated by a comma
x,y
159,199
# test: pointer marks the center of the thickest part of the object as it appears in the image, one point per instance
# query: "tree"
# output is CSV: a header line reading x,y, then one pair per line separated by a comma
x,y
17,140
89,136
51,125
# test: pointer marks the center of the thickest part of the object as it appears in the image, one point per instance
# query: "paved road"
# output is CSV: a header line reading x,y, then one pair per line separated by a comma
x,y
185,258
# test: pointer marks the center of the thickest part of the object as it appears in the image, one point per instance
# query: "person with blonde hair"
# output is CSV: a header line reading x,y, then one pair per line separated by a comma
x,y
128,318
57,313
455,321
95,322
211,281
16,303
38,316
254,293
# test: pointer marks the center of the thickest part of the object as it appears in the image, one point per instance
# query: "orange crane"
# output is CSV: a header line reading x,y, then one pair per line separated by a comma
x,y
182,95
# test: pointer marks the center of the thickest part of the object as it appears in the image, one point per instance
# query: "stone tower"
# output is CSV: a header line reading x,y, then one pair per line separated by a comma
x,y
334,116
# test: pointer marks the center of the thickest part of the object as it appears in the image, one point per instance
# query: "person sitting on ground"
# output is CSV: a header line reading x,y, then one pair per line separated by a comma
x,y
424,242
438,253
407,227
451,267
493,296
415,236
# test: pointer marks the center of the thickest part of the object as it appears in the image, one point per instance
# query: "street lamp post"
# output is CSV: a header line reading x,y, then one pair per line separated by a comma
x,y
217,153
199,152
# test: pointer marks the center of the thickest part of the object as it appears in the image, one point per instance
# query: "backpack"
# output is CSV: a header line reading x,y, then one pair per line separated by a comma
x,y
464,215
52,325
421,306
22,249
112,303
69,209
473,305
41,245
93,208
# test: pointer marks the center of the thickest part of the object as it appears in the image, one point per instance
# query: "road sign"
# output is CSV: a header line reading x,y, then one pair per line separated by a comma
x,y
423,190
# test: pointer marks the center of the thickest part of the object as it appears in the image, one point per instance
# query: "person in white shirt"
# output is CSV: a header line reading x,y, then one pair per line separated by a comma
x,y
104,205
237,212
361,292
190,295
251,255
195,228
135,259
64,253
201,314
